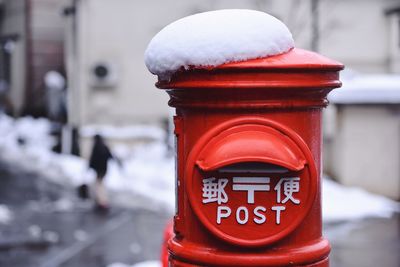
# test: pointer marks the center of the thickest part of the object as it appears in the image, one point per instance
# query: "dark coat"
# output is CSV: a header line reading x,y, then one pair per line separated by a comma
x,y
99,157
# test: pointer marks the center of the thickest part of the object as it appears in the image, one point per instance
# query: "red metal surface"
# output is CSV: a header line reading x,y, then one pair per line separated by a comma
x,y
249,161
168,234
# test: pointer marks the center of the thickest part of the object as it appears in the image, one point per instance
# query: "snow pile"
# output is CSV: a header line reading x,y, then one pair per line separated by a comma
x,y
25,131
146,170
340,203
6,215
25,141
140,264
368,88
214,38
28,143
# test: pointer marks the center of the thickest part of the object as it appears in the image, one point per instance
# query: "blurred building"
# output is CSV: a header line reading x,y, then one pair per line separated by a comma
x,y
31,39
362,146
364,35
106,40
362,137
109,83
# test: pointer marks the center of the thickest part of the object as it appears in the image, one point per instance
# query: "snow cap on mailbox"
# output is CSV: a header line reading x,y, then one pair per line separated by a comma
x,y
225,41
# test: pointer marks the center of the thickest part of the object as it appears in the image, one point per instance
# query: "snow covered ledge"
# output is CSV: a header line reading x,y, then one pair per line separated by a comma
x,y
213,38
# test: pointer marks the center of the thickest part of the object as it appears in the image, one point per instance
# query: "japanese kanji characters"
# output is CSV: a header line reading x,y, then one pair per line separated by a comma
x,y
251,184
290,186
214,190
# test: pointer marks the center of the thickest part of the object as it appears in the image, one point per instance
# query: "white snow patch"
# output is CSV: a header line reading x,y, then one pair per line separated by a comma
x,y
148,264
63,205
54,80
118,264
81,235
51,236
214,38
35,231
368,89
140,264
340,203
6,215
148,172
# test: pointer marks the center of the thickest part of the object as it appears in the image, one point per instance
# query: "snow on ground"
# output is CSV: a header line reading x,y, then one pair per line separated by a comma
x,y
6,215
148,171
140,264
216,37
367,88
342,203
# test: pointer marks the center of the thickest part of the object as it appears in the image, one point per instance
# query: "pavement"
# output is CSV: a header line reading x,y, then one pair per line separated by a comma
x,y
51,227
367,243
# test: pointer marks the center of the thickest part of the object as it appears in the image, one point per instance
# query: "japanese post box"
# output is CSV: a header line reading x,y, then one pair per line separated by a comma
x,y
249,161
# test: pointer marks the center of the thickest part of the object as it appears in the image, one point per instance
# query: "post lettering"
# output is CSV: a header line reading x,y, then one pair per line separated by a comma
x,y
246,215
260,217
223,212
278,210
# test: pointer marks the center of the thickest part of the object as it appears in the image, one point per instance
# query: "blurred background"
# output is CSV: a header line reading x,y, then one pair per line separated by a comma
x,y
71,69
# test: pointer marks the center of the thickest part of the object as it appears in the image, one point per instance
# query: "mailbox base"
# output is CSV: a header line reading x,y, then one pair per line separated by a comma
x,y
176,263
187,254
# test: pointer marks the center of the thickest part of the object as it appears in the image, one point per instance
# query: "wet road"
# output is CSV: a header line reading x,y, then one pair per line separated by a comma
x,y
52,228
368,243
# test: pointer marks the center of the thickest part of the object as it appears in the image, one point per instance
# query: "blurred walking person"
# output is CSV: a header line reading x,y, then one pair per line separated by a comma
x,y
98,162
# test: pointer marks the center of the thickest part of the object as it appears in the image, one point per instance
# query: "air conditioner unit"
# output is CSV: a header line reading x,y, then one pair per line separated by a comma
x,y
103,75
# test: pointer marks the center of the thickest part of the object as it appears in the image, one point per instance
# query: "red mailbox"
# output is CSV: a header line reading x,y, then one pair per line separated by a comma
x,y
249,161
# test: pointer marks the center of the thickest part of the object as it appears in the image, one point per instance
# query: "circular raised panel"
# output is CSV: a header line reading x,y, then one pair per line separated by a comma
x,y
251,208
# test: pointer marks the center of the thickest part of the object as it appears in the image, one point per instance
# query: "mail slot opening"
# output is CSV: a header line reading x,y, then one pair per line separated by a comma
x,y
251,147
253,167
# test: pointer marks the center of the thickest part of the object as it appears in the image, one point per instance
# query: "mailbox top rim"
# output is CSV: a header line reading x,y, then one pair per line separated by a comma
x,y
295,58
297,68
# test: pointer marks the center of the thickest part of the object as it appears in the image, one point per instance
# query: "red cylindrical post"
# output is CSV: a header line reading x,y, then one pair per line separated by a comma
x,y
249,161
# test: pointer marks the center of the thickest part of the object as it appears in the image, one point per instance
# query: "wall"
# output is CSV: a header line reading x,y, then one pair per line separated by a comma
x,y
45,41
14,23
40,27
356,33
394,42
118,32
366,149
